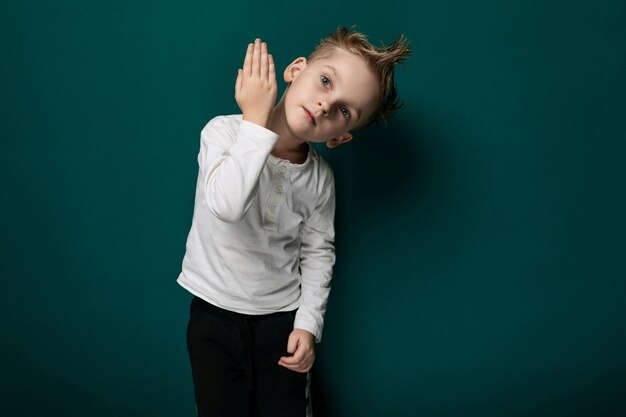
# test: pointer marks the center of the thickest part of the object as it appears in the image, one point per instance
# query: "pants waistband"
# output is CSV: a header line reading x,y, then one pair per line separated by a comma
x,y
233,314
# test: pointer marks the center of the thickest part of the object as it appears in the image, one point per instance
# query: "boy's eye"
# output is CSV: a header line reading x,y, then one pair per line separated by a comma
x,y
347,112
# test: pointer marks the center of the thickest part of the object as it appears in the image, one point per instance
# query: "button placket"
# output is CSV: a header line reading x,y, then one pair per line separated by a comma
x,y
276,196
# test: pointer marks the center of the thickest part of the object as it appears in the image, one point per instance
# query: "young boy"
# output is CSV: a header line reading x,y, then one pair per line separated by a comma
x,y
260,252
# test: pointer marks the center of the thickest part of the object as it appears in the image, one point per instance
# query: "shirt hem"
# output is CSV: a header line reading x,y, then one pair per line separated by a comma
x,y
184,282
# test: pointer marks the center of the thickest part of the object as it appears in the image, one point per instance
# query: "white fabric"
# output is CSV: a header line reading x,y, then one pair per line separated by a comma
x,y
262,233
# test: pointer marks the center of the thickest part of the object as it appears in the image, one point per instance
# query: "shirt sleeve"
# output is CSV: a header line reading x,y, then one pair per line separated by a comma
x,y
230,163
317,257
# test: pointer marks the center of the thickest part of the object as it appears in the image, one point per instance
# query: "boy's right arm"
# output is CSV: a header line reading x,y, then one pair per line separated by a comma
x,y
231,162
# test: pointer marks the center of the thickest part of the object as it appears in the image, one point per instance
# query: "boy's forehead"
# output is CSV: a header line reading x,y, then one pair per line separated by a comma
x,y
343,60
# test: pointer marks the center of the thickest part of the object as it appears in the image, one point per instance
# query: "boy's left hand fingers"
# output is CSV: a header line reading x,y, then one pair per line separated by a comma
x,y
292,360
293,366
298,362
293,343
303,366
296,368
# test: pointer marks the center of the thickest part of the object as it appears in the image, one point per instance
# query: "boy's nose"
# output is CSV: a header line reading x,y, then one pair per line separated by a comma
x,y
324,108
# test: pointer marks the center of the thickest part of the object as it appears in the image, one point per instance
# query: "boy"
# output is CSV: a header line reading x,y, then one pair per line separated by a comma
x,y
260,251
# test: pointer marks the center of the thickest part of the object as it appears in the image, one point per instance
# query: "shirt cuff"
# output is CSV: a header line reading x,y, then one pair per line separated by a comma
x,y
309,327
259,132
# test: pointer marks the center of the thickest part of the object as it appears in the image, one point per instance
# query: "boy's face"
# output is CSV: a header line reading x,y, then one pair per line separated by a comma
x,y
329,97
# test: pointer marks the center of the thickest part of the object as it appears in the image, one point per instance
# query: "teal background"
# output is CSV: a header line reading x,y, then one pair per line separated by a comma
x,y
481,235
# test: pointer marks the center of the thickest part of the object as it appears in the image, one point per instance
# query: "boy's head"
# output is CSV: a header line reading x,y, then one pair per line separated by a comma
x,y
345,84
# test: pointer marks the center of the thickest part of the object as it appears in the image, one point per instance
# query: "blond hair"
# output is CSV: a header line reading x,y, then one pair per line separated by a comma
x,y
381,61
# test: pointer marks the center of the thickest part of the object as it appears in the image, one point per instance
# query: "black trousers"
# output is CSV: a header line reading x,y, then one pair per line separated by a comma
x,y
234,363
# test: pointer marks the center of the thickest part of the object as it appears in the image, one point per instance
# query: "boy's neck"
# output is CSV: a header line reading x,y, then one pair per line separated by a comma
x,y
295,157
286,147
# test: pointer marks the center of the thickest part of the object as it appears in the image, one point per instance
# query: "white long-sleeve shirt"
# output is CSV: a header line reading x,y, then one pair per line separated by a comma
x,y
262,233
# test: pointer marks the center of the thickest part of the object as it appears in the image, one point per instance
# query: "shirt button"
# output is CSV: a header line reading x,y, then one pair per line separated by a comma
x,y
273,208
278,188
282,169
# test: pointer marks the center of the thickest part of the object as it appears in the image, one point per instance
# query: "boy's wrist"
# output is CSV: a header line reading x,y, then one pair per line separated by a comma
x,y
259,120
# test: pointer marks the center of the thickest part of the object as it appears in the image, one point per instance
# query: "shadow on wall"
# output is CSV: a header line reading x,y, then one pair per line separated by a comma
x,y
384,167
387,163
380,165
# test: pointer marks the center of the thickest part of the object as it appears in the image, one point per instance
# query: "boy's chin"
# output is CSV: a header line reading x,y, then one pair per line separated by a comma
x,y
300,127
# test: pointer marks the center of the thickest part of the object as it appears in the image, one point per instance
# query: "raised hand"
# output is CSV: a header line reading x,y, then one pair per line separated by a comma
x,y
255,88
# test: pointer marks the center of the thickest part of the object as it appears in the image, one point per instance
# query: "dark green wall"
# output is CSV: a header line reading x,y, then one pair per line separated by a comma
x,y
481,236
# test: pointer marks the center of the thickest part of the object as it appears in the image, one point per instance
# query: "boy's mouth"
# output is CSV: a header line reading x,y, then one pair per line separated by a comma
x,y
310,116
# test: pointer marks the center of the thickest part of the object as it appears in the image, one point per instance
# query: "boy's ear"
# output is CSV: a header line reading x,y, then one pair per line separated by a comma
x,y
293,69
334,142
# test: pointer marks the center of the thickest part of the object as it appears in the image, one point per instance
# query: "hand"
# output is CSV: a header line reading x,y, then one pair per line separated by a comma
x,y
255,88
303,343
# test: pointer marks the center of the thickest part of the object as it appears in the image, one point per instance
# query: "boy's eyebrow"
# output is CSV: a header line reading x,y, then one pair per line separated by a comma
x,y
333,70
358,112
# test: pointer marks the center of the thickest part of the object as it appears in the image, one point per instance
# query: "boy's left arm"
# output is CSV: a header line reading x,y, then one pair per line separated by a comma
x,y
317,257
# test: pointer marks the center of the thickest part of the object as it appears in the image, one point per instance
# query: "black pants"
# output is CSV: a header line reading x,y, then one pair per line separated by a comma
x,y
234,363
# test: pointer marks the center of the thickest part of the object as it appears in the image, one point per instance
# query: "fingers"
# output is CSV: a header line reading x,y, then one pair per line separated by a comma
x,y
301,361
238,82
271,69
264,63
303,357
247,62
292,343
293,360
258,62
299,367
256,66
